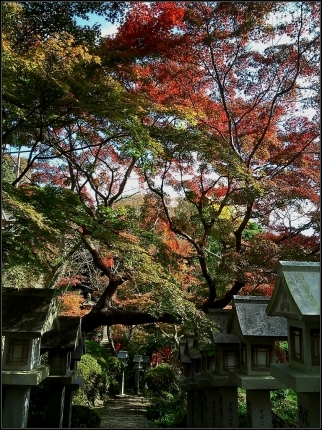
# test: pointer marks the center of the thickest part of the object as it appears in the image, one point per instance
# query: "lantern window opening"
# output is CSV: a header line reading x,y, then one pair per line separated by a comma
x,y
261,357
209,363
231,360
243,357
296,338
315,346
18,351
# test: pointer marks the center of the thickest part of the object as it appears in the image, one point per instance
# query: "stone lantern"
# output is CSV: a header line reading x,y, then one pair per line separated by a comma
x,y
221,393
227,356
296,297
192,383
88,303
146,362
61,346
184,359
193,354
186,383
257,333
27,314
137,360
197,384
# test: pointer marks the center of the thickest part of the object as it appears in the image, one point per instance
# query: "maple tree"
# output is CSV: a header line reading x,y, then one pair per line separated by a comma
x,y
182,99
247,148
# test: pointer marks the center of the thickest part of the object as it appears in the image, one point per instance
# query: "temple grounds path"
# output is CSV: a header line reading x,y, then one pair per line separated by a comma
x,y
126,411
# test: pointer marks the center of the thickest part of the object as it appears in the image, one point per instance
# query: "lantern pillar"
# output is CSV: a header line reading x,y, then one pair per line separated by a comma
x,y
212,411
258,403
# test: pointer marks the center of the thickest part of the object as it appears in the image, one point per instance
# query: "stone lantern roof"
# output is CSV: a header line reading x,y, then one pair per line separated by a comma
x,y
249,319
221,318
189,348
67,338
184,359
297,292
28,310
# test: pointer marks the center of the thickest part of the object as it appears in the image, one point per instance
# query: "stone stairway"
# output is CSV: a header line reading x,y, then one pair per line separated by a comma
x,y
128,411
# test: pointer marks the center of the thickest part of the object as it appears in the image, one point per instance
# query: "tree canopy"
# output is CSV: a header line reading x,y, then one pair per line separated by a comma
x,y
201,105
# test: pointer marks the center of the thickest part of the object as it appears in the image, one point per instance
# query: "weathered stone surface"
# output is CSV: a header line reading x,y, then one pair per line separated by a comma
x,y
249,382
68,336
221,318
297,292
25,377
29,310
295,379
250,319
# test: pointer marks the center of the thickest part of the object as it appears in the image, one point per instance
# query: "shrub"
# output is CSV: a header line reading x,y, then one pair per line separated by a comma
x,y
167,402
242,409
84,417
161,378
284,406
110,365
168,411
95,382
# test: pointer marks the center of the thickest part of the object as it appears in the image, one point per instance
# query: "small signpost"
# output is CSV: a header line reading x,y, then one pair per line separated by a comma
x,y
123,356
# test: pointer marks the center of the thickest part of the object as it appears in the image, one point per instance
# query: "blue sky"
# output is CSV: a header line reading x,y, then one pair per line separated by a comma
x,y
106,27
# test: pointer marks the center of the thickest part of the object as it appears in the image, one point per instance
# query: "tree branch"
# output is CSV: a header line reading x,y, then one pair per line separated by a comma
x,y
109,316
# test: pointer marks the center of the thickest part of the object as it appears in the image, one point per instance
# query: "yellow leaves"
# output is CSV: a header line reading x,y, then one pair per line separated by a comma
x,y
17,206
60,52
227,212
57,60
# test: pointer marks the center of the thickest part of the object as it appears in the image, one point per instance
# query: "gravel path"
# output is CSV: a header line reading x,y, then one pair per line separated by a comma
x,y
126,411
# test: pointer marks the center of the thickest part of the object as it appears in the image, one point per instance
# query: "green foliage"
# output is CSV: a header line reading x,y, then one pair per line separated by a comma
x,y
95,381
161,378
284,347
109,363
84,417
167,402
111,366
242,409
251,230
8,174
284,405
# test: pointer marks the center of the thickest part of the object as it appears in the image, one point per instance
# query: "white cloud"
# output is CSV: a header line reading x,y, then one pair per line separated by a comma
x,y
109,30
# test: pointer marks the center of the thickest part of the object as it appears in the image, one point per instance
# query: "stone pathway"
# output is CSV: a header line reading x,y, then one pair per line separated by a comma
x,y
126,411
